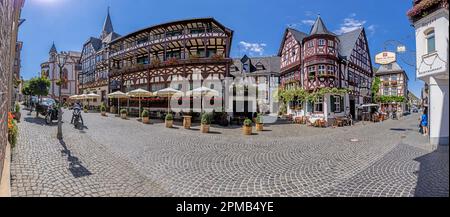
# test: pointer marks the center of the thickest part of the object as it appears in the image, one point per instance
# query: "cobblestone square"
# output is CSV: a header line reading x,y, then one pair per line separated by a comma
x,y
125,158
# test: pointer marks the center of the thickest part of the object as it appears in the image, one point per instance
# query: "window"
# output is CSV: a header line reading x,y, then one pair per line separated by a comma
x,y
394,92
322,42
337,104
321,69
311,44
331,70
142,60
394,78
312,71
431,41
330,43
318,105
386,91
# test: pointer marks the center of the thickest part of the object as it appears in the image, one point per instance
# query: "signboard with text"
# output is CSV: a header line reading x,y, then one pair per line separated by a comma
x,y
385,58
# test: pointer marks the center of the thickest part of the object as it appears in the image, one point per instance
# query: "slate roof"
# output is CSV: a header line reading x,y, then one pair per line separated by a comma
x,y
348,42
96,43
107,26
320,28
271,65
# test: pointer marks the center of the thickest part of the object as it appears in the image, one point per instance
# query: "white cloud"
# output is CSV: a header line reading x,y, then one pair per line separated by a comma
x,y
253,48
308,22
350,24
371,29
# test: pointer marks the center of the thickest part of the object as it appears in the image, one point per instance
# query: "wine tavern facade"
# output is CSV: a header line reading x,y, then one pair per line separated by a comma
x,y
394,82
322,59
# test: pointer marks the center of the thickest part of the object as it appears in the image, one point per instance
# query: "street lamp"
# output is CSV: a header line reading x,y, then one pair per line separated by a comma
x,y
61,61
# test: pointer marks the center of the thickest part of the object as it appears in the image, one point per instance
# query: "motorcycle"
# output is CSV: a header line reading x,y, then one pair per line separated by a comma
x,y
51,114
77,118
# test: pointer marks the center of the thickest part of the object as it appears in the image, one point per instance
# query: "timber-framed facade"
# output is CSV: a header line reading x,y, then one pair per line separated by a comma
x,y
154,57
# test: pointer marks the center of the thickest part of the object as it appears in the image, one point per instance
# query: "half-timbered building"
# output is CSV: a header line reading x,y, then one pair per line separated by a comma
x,y
94,63
323,59
155,58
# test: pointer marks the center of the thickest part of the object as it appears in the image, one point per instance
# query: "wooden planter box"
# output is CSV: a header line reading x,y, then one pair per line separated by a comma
x,y
259,127
247,130
169,124
205,128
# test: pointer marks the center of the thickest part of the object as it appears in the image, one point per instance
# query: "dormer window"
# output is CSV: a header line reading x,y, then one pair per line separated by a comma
x,y
431,41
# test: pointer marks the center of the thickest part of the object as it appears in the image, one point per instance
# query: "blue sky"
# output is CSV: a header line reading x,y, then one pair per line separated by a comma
x,y
258,25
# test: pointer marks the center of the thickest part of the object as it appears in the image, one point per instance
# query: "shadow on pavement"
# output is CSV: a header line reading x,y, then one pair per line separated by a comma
x,y
433,174
75,165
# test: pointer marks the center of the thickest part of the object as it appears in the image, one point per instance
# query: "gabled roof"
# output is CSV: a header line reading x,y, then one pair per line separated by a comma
x,y
96,43
392,68
320,28
110,37
270,64
348,42
298,36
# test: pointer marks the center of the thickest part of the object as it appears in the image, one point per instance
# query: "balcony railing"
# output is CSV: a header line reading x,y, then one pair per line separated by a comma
x,y
168,63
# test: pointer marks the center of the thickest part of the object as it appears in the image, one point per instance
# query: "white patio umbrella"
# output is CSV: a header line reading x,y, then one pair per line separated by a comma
x,y
91,96
203,91
140,93
168,92
118,95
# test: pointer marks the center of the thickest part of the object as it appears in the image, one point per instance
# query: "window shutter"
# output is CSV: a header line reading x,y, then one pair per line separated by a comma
x,y
333,105
342,104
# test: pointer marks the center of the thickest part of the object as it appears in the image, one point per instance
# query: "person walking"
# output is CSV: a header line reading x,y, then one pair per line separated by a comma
x,y
424,123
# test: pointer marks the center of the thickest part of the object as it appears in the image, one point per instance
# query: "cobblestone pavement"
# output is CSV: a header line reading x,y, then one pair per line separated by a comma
x,y
114,157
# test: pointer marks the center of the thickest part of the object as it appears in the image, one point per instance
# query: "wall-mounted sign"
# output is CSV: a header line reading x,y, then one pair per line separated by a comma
x,y
385,58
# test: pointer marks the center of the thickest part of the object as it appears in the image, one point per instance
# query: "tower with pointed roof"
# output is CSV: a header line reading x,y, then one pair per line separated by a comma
x,y
107,26
53,52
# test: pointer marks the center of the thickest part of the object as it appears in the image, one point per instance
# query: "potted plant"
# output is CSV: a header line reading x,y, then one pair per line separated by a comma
x,y
123,113
206,122
85,109
247,129
103,109
17,113
169,121
259,123
145,117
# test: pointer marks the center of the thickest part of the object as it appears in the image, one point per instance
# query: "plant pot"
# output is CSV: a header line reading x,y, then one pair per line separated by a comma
x,y
259,127
17,116
123,116
113,110
85,111
187,122
247,130
104,114
205,128
145,120
169,124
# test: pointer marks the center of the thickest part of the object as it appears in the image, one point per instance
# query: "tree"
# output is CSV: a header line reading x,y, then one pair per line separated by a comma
x,y
39,87
26,91
376,89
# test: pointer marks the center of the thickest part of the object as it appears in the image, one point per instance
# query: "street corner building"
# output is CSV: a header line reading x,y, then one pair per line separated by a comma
x,y
69,74
322,59
430,19
10,11
394,83
159,56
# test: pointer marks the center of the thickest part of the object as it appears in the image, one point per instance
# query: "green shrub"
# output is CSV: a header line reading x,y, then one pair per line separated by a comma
x,y
206,118
123,111
145,114
169,117
102,107
259,119
248,122
17,107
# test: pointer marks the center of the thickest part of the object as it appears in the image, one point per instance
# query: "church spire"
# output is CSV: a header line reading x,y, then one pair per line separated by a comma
x,y
107,26
53,49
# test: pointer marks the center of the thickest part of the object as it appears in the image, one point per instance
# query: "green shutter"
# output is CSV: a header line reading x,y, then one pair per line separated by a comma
x,y
333,105
342,104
